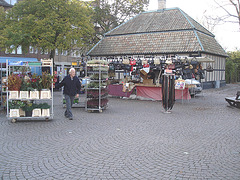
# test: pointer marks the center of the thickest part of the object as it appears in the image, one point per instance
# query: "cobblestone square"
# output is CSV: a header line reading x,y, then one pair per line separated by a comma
x,y
132,139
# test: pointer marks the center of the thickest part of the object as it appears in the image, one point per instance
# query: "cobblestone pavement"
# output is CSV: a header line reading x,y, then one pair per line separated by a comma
x,y
132,139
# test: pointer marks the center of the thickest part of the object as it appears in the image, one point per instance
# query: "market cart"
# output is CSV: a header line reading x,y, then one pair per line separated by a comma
x,y
29,90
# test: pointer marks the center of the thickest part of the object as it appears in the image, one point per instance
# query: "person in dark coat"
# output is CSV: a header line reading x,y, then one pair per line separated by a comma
x,y
72,87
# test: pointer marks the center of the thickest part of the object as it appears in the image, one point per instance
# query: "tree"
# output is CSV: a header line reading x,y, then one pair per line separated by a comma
x,y
110,13
232,13
233,67
48,24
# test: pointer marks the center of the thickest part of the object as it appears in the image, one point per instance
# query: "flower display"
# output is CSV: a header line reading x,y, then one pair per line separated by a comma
x,y
14,82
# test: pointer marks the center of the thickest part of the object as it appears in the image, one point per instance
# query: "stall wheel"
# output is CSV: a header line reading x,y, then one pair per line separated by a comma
x,y
14,120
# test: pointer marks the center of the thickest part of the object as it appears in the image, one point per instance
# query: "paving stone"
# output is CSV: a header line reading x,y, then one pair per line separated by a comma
x,y
130,140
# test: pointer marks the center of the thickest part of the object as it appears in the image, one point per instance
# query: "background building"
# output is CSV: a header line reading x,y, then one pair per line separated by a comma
x,y
165,32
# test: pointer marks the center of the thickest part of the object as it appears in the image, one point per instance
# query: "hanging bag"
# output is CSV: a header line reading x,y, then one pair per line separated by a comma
x,y
125,61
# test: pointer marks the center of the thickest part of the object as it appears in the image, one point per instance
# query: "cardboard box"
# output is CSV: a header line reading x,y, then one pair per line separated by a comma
x,y
148,81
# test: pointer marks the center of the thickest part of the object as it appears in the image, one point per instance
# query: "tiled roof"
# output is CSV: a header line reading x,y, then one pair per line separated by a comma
x,y
210,45
5,4
159,32
148,43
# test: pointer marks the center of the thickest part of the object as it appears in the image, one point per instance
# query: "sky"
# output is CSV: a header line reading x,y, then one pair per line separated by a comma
x,y
227,34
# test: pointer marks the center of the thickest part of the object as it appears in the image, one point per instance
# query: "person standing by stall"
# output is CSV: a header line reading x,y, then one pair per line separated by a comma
x,y
72,87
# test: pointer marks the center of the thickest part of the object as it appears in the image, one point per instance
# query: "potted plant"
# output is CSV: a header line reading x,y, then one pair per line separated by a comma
x,y
46,83
14,82
36,82
15,108
28,107
46,80
45,107
16,104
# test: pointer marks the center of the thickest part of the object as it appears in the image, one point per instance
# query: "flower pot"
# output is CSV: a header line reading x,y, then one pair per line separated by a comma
x,y
46,112
21,113
34,94
36,113
45,94
23,94
13,94
14,112
28,113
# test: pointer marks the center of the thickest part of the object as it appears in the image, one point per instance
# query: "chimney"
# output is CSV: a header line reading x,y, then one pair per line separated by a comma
x,y
161,4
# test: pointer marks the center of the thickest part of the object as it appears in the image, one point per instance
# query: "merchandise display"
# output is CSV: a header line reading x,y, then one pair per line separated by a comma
x,y
96,89
29,96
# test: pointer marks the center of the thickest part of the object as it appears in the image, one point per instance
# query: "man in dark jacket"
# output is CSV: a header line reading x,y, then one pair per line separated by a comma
x,y
72,87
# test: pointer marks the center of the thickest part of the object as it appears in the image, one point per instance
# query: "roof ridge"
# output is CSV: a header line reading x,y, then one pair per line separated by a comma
x,y
194,27
183,13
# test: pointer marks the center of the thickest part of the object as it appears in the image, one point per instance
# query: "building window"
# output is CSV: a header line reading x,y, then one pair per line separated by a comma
x,y
42,51
19,50
12,2
56,52
31,49
65,53
6,51
46,51
36,50
13,49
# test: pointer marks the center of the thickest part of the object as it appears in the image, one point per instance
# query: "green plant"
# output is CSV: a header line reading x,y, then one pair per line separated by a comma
x,y
96,85
46,80
15,104
43,106
36,82
28,106
14,82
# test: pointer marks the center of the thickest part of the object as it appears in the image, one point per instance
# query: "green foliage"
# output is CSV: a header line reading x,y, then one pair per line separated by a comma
x,y
28,106
233,67
15,104
109,14
14,82
61,24
47,80
43,106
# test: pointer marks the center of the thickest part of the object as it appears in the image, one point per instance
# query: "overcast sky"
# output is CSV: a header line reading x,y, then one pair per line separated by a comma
x,y
227,34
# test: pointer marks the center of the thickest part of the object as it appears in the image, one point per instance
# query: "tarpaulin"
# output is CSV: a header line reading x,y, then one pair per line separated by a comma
x,y
117,90
156,93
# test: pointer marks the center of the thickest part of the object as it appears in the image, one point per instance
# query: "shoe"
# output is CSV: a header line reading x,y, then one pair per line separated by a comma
x,y
66,116
70,118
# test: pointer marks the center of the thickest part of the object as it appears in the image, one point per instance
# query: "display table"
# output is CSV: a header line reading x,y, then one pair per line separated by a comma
x,y
155,92
117,90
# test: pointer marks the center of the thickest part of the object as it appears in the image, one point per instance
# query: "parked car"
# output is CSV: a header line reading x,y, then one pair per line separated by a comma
x,y
196,89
